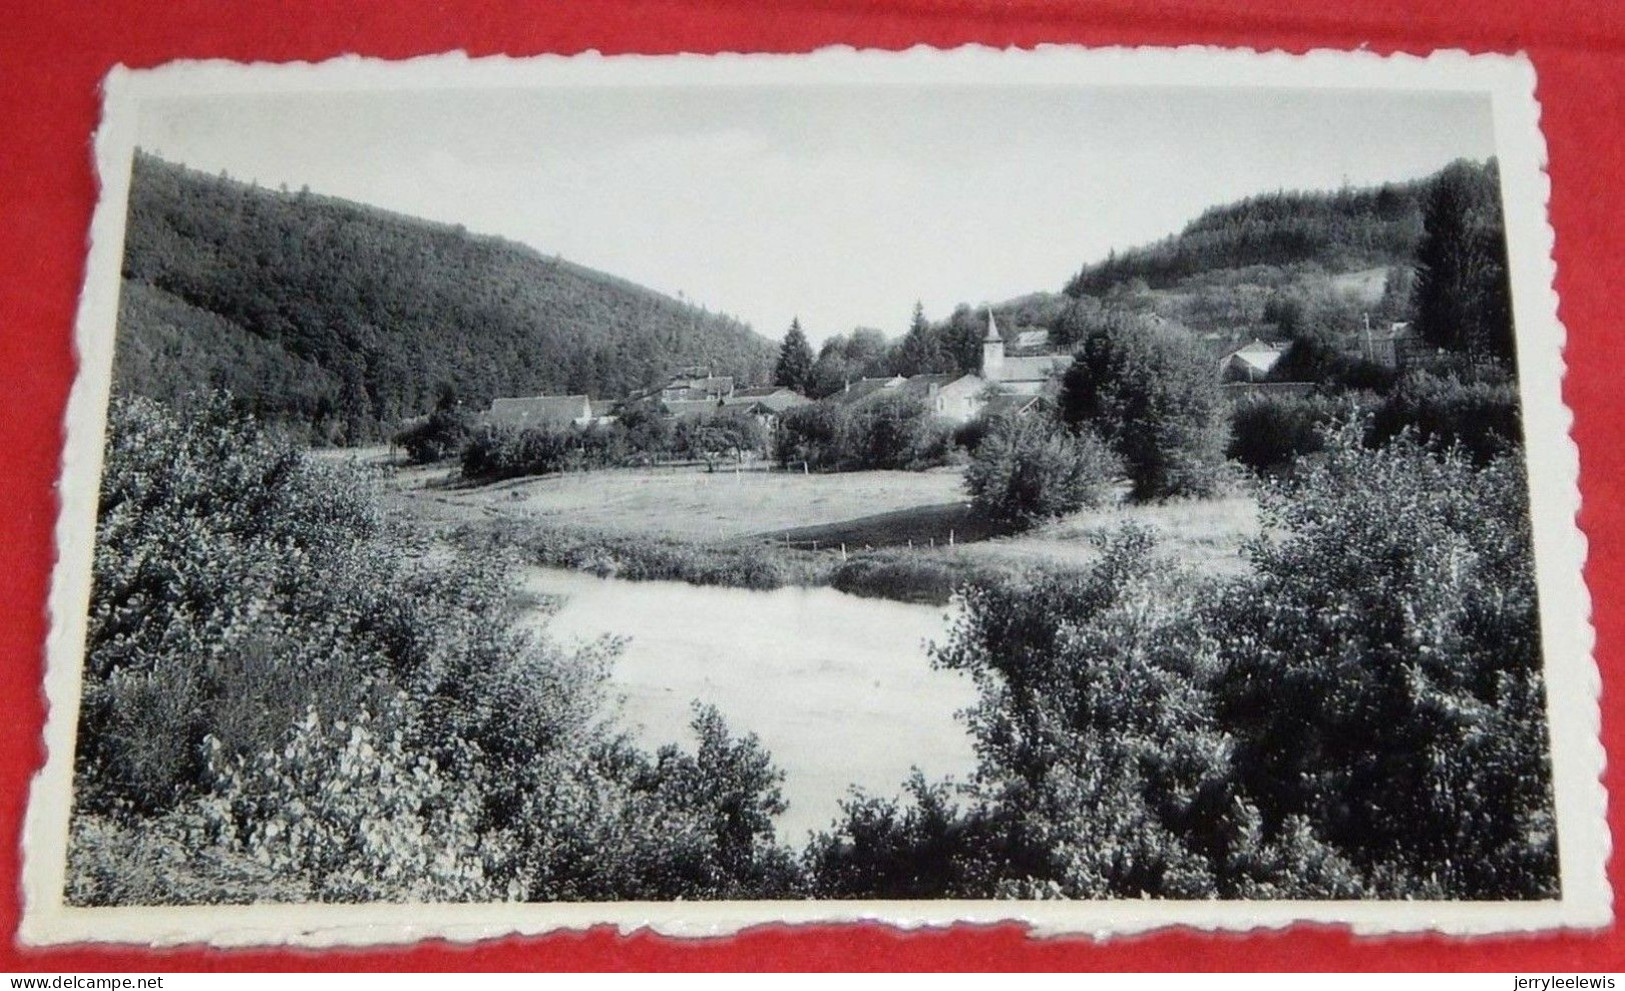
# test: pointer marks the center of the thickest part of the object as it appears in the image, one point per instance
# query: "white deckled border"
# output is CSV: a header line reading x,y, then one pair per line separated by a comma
x,y
1572,679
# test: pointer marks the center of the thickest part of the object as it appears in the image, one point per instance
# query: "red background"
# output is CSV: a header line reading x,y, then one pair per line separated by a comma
x,y
51,62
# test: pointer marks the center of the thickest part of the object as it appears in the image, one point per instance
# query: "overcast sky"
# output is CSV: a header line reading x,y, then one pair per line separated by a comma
x,y
840,205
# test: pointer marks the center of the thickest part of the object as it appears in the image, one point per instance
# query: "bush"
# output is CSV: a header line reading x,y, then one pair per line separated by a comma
x,y
440,436
889,430
904,576
1384,671
1150,392
969,435
639,557
1272,431
1101,770
498,452
1362,715
886,430
925,848
1482,415
278,685
1028,470
814,435
713,437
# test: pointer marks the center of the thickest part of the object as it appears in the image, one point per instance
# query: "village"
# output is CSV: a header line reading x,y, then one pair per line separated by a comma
x,y
1012,379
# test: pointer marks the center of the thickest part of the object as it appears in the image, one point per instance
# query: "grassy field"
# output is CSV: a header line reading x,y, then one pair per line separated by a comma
x,y
893,534
683,503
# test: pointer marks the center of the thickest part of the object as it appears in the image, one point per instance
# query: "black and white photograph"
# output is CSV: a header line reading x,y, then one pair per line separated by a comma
x,y
1105,490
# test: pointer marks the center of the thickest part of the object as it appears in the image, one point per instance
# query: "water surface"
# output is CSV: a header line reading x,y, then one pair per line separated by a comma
x,y
839,688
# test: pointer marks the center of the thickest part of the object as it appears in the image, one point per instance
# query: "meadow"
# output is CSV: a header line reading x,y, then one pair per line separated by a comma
x,y
792,527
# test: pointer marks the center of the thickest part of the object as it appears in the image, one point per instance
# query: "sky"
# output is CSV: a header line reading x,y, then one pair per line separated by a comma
x,y
838,205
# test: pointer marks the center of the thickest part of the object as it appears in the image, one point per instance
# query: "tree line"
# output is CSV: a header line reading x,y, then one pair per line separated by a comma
x,y
1346,229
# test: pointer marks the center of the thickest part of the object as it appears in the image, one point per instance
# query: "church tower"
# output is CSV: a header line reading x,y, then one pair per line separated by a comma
x,y
992,351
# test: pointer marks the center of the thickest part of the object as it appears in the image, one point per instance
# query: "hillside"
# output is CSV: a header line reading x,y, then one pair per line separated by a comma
x,y
1339,231
343,319
1277,266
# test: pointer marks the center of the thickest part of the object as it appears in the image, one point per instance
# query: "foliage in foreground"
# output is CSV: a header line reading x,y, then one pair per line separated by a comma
x,y
279,686
1360,716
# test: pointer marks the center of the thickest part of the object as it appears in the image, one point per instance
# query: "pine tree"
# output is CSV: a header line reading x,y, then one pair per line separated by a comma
x,y
795,359
920,352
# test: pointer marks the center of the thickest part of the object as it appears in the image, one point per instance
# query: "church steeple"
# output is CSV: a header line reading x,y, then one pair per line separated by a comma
x,y
992,350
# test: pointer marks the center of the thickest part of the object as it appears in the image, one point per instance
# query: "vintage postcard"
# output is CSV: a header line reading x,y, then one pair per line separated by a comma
x,y
1099,489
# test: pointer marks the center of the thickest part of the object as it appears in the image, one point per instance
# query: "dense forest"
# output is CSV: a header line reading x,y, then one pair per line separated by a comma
x,y
340,319
1343,230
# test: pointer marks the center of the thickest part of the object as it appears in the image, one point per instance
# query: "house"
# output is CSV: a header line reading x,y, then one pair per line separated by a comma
x,y
857,392
776,398
696,383
1007,404
540,411
952,397
1251,362
961,398
691,407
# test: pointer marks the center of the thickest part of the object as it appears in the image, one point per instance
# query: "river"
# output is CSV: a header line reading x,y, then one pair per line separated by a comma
x,y
839,688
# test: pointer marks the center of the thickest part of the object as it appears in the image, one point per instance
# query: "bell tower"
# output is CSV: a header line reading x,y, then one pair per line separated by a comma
x,y
992,350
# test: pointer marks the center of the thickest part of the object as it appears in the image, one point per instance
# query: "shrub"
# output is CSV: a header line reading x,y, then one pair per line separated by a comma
x,y
1482,415
278,685
1361,715
211,542
1150,392
1272,431
1101,772
903,576
892,430
923,848
438,437
499,452
1028,470
711,437
1384,670
646,428
639,557
969,435
353,813
886,430
814,434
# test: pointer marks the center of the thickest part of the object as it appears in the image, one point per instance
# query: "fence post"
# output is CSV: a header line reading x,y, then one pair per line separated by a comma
x,y
950,536
843,551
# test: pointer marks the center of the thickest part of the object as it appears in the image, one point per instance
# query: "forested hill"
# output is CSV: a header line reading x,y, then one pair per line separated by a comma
x,y
343,319
1340,231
